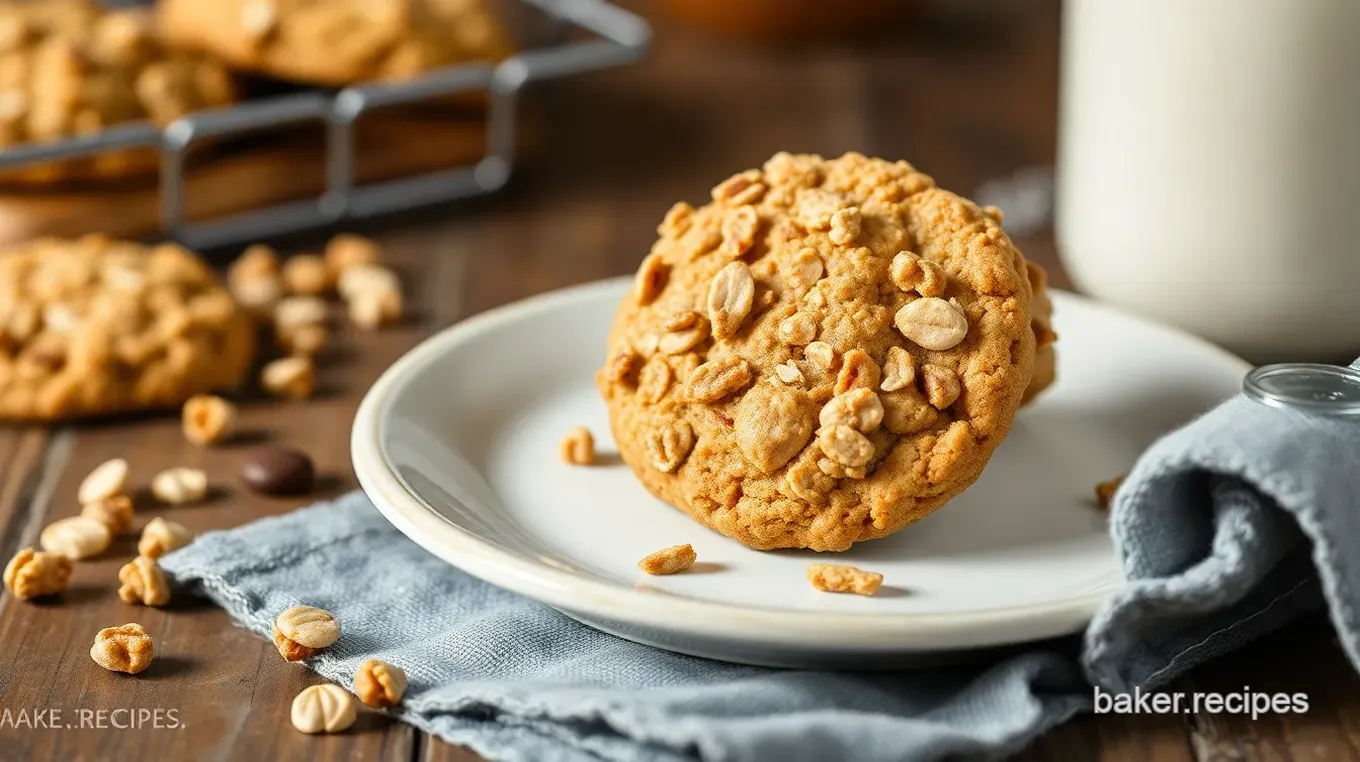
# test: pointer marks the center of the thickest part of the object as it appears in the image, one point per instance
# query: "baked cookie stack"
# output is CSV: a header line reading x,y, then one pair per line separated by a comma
x,y
825,353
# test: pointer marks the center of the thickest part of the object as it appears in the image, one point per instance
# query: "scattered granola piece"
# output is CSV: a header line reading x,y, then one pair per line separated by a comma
x,y
179,486
672,560
833,578
125,648
142,581
578,447
371,310
1105,492
160,537
114,512
358,280
379,684
290,377
301,631
207,419
76,537
32,574
307,274
106,480
347,250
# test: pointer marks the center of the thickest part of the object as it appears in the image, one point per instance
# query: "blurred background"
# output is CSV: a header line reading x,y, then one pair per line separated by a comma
x,y
1199,142
965,90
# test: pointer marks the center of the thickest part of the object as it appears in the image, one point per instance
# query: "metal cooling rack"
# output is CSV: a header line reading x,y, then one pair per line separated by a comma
x,y
623,38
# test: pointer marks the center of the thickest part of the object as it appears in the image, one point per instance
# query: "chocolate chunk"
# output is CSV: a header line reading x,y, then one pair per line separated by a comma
x,y
279,471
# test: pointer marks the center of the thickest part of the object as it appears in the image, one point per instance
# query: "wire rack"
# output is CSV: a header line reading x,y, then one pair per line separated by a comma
x,y
622,38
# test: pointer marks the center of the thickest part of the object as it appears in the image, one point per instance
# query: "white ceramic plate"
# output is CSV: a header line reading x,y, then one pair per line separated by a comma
x,y
457,445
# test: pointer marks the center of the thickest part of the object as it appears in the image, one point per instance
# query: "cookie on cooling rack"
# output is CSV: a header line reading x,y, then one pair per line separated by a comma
x,y
337,42
827,352
72,67
93,327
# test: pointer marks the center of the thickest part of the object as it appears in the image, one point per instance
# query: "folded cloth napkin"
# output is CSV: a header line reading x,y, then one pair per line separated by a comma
x,y
1213,526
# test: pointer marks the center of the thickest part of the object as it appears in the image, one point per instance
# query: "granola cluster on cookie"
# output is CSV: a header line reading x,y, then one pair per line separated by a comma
x,y
825,353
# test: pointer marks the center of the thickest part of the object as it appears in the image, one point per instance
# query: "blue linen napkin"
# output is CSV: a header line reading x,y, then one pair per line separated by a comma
x,y
1214,527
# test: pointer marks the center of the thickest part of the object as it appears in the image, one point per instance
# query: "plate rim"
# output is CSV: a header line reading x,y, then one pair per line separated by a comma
x,y
588,597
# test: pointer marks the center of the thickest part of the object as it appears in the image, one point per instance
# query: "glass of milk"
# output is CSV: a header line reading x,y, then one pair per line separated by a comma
x,y
1209,171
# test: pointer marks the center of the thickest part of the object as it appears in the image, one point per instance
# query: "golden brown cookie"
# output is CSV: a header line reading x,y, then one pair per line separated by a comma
x,y
1041,321
93,326
827,352
69,67
337,42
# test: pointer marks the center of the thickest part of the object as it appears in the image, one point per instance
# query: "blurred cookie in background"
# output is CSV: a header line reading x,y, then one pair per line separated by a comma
x,y
94,326
788,20
337,42
72,67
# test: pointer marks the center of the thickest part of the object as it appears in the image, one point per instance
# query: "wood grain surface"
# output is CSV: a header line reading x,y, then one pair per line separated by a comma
x,y
968,94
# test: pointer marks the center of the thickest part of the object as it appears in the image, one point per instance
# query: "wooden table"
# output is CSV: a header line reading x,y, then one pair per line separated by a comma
x,y
966,97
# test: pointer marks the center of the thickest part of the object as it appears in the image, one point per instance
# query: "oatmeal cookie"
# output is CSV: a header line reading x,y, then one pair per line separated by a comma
x,y
93,326
824,354
70,67
1041,321
337,42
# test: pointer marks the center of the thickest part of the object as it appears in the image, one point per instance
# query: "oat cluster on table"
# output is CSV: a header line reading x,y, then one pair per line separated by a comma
x,y
180,486
161,536
125,648
106,512
825,353
289,296
207,419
